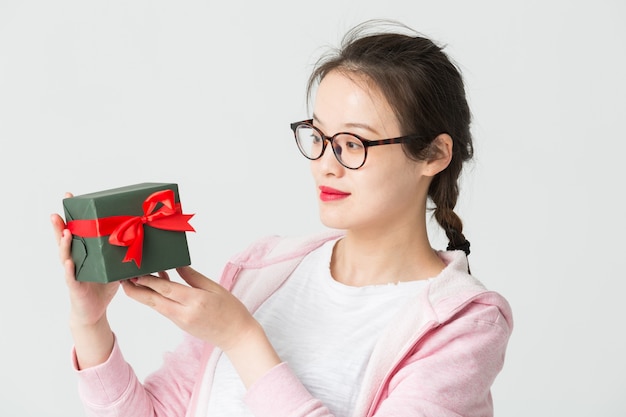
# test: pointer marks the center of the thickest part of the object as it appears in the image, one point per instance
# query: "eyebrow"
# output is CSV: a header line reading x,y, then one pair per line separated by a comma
x,y
363,126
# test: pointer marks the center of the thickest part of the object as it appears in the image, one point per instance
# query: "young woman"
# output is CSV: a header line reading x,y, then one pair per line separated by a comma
x,y
369,320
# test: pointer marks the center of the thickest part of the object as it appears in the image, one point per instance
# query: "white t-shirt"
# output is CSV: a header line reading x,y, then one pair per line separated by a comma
x,y
323,329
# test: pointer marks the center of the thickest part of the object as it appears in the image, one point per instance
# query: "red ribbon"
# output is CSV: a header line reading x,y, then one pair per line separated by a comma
x,y
128,230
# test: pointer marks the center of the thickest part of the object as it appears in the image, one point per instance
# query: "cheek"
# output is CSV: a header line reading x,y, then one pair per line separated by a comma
x,y
399,185
393,193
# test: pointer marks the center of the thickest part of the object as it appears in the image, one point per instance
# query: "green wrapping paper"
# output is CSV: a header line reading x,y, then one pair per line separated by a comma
x,y
128,231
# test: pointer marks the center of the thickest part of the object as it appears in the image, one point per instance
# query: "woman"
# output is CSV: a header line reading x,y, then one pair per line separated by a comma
x,y
365,321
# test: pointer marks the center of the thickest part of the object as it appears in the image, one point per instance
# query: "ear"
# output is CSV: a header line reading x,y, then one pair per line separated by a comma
x,y
440,155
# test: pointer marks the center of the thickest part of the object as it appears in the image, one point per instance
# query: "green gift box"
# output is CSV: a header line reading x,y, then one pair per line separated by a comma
x,y
129,231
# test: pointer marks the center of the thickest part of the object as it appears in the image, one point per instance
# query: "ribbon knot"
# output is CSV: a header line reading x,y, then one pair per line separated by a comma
x,y
160,211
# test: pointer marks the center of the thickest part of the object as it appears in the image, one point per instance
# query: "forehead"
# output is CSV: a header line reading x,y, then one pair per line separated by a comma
x,y
347,97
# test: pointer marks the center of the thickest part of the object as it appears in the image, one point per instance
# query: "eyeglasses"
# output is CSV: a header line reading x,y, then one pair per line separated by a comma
x,y
349,148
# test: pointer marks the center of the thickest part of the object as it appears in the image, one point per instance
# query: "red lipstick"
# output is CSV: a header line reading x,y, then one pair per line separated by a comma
x,y
331,194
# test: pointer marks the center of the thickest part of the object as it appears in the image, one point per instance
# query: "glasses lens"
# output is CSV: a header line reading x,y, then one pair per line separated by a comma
x,y
349,150
309,141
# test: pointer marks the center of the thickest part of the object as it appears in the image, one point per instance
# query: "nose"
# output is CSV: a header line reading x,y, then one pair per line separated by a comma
x,y
328,162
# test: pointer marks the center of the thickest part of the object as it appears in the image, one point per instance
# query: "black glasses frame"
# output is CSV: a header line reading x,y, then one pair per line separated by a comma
x,y
366,142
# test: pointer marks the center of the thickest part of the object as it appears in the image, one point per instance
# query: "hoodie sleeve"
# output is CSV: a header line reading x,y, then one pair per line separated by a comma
x,y
112,388
448,373
451,370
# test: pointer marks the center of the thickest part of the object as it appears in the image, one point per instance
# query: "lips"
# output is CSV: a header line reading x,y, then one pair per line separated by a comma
x,y
331,194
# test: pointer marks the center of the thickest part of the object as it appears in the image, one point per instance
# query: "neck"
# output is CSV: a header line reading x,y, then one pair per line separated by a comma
x,y
369,258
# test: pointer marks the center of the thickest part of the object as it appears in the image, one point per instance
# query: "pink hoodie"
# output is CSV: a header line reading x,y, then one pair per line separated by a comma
x,y
440,361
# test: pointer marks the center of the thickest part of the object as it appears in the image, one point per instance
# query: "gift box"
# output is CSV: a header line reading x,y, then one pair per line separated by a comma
x,y
129,231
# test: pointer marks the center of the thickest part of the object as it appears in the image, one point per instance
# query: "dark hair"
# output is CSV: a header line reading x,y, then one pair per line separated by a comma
x,y
426,91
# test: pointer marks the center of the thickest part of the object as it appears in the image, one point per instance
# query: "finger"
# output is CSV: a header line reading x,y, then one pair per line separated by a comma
x,y
65,245
148,297
195,279
163,275
70,274
58,225
162,287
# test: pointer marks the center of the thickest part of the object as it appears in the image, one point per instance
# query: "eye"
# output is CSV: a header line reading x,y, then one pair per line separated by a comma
x,y
307,134
352,144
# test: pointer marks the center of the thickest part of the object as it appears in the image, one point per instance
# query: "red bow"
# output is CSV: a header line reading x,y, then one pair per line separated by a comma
x,y
128,230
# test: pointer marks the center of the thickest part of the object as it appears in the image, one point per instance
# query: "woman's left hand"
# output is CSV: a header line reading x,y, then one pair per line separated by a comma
x,y
203,309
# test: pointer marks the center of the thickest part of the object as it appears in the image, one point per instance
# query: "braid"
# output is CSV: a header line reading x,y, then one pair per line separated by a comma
x,y
457,240
444,192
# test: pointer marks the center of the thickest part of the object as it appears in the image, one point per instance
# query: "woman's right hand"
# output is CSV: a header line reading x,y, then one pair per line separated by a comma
x,y
93,338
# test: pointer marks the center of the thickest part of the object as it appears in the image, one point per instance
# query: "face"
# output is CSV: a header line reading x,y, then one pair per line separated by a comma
x,y
390,189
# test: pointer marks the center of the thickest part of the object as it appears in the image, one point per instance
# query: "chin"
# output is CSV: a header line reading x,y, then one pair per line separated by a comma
x,y
334,222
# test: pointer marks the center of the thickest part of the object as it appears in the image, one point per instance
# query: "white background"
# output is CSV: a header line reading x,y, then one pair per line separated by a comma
x,y
96,95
